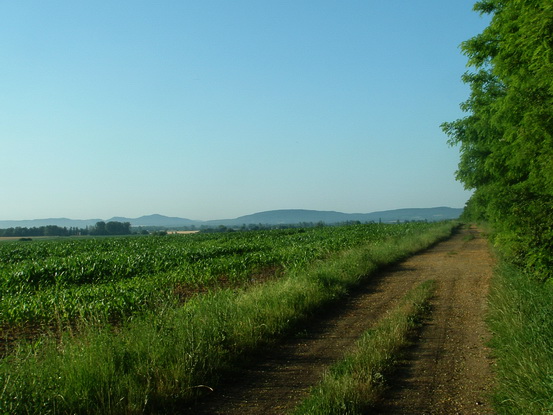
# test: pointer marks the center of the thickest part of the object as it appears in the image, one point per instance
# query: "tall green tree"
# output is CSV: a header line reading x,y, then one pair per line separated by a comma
x,y
506,139
118,228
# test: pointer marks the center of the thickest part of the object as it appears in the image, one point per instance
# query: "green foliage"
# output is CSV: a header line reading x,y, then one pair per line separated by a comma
x,y
506,144
111,228
506,141
50,230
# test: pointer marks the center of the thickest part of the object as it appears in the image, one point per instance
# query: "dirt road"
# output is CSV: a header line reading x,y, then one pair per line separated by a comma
x,y
447,371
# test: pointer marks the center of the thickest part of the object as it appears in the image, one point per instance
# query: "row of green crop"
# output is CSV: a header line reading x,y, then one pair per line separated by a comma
x,y
97,279
157,360
29,267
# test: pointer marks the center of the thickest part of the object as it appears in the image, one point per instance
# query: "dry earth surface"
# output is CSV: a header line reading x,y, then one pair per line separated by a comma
x,y
447,370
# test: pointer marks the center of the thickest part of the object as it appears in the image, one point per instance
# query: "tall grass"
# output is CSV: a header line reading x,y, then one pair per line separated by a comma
x,y
170,356
521,319
355,383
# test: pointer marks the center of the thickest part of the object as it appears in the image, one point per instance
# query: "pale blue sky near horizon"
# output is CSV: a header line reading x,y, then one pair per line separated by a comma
x,y
217,109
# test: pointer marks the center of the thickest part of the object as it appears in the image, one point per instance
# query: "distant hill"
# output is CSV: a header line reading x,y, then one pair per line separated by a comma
x,y
271,217
293,216
157,220
37,223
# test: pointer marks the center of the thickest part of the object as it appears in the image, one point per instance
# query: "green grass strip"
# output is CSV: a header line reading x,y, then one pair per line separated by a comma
x,y
166,358
521,320
355,383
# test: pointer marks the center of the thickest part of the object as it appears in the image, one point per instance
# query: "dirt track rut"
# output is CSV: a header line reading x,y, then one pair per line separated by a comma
x,y
447,371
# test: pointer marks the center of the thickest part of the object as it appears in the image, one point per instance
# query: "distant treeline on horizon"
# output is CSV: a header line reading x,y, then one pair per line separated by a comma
x,y
124,228
101,228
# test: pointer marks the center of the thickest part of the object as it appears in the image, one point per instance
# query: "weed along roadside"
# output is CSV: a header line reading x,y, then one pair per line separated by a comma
x,y
355,383
164,357
521,317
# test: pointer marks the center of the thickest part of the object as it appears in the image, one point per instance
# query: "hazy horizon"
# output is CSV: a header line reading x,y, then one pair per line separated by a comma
x,y
215,109
219,218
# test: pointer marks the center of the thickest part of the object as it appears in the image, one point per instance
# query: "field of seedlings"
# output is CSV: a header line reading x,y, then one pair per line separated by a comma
x,y
134,324
105,278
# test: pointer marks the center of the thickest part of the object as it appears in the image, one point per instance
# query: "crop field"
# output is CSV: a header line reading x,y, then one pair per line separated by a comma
x,y
97,279
138,321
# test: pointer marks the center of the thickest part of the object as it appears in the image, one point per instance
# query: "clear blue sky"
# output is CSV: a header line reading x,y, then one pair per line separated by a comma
x,y
216,109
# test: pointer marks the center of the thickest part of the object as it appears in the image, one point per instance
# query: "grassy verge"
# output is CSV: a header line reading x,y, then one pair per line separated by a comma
x,y
160,359
521,319
354,384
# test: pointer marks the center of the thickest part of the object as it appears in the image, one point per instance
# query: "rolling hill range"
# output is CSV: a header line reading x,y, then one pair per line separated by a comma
x,y
272,217
275,217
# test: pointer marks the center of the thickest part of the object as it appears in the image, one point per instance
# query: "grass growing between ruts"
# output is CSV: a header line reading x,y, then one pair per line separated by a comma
x,y
521,319
166,357
355,383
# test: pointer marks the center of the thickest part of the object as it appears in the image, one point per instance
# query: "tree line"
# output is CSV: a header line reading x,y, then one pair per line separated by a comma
x,y
101,228
506,139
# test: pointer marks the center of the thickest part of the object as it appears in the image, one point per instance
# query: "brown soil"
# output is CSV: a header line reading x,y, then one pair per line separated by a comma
x,y
446,371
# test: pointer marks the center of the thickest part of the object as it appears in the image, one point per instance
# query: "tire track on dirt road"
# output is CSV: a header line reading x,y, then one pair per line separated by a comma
x,y
448,370
448,374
